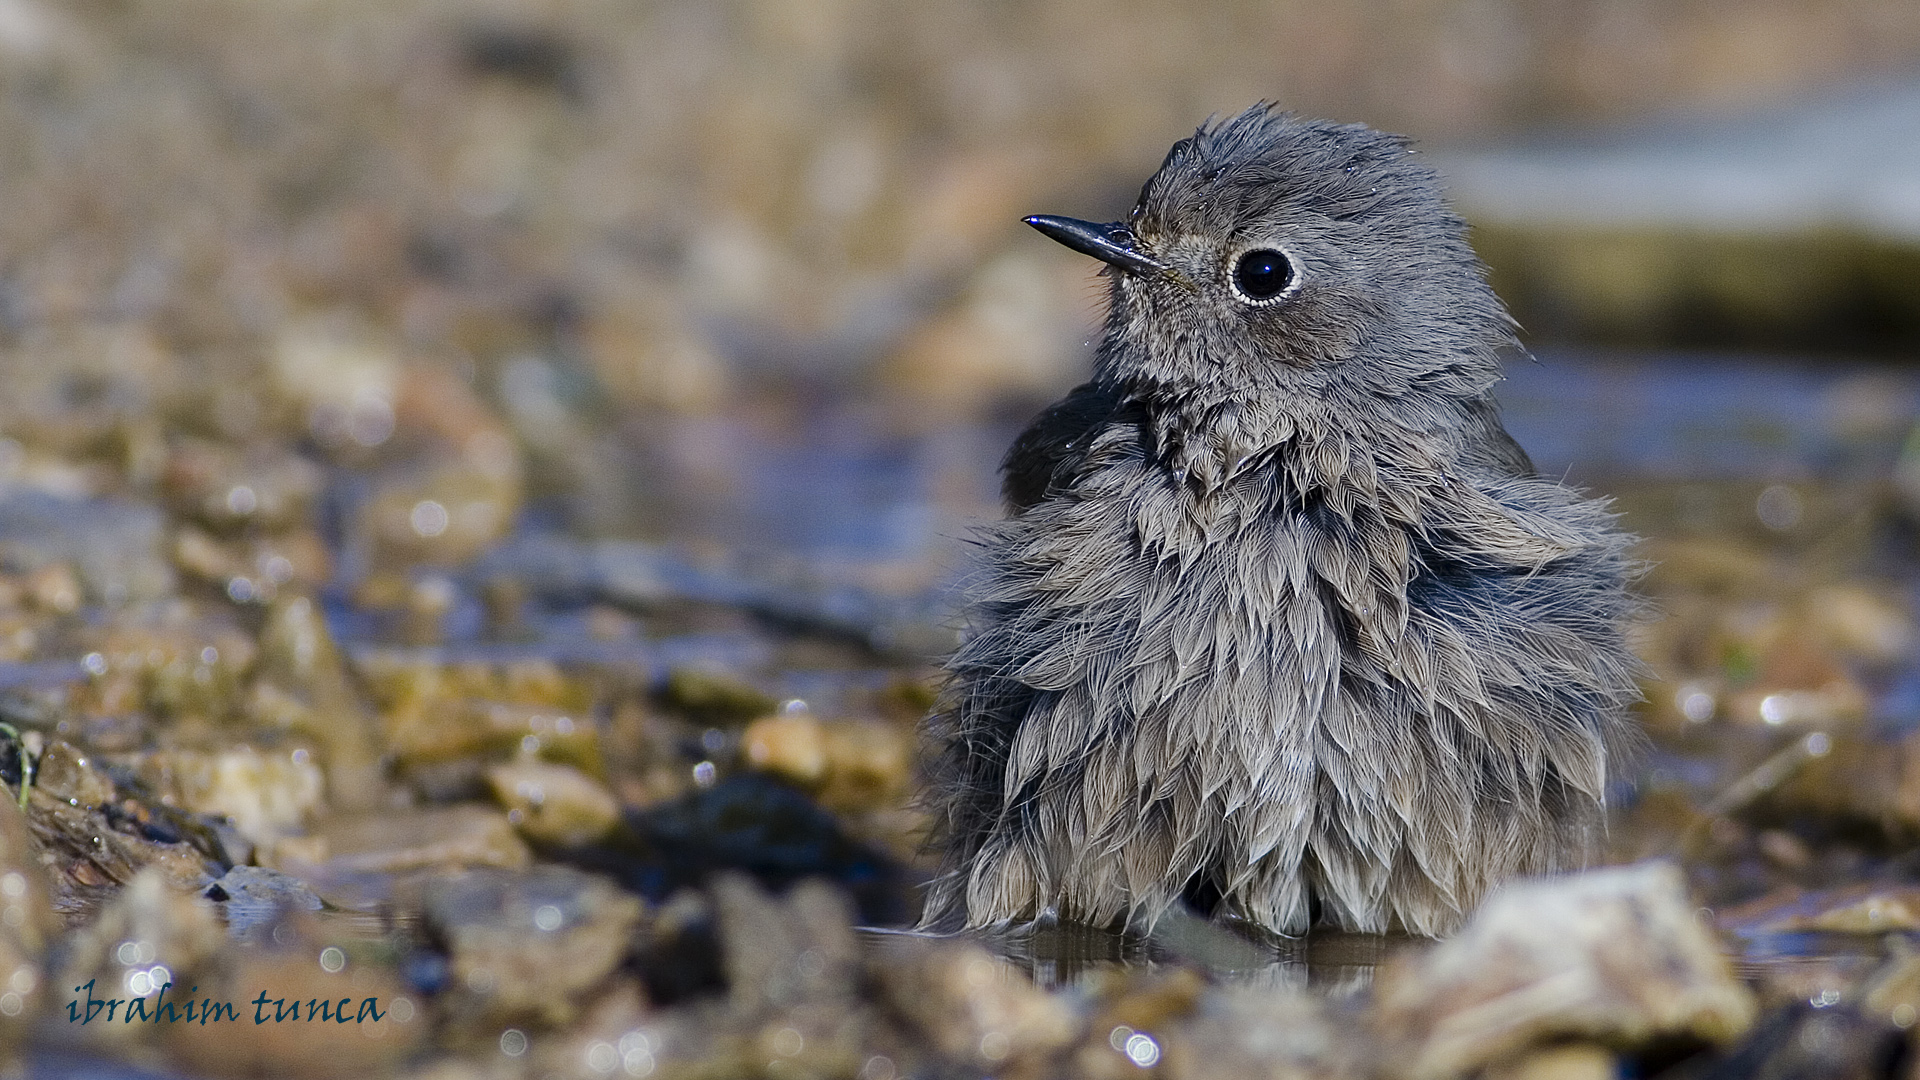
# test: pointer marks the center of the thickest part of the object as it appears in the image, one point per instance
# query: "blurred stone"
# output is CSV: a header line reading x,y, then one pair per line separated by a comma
x,y
612,1027
427,839
265,796
649,354
530,947
88,851
149,935
329,1009
1862,622
1272,1033
973,1007
117,548
1807,1042
556,805
1867,908
65,773
766,827
252,897
301,685
1136,1009
226,488
1857,778
1893,992
711,698
54,589
1618,956
1575,1062
792,969
27,927
849,765
792,746
1014,334
784,952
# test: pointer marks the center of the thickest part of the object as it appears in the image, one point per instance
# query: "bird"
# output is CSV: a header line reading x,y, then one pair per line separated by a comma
x,y
1281,625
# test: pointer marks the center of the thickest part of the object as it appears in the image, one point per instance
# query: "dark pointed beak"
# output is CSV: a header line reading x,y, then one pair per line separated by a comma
x,y
1111,243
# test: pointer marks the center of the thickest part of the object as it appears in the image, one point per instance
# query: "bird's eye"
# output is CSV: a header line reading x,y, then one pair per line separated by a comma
x,y
1262,275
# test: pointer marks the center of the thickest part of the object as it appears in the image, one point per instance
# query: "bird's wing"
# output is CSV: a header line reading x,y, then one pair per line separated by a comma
x,y
1488,443
1057,437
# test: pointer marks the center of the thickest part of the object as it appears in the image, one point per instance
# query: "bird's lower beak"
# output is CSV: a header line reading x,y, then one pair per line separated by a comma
x,y
1111,243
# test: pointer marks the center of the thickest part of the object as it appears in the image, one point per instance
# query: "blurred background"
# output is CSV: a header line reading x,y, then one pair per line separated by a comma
x,y
414,405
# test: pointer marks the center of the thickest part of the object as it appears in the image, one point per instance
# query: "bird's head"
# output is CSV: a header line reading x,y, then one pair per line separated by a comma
x,y
1271,254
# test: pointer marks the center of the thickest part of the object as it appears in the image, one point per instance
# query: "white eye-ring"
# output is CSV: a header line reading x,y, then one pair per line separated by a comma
x,y
1263,276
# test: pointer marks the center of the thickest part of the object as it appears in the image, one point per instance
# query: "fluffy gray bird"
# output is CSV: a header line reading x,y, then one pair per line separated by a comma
x,y
1282,622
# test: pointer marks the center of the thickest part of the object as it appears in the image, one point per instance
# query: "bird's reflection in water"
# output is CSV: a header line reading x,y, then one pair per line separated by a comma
x,y
1328,962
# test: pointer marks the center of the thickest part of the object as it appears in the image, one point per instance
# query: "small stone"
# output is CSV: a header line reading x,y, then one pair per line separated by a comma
x,y
711,698
150,934
781,953
65,773
54,589
439,838
972,1006
1617,955
554,804
1243,1031
1575,1062
791,746
265,795
302,685
116,548
355,1016
27,926
254,896
530,947
1869,908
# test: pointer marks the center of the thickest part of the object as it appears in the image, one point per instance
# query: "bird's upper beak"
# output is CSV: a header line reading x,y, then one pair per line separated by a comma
x,y
1112,243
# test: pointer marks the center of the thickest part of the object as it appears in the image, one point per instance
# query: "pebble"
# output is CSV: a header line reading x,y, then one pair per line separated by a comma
x,y
554,805
395,842
529,947
1618,955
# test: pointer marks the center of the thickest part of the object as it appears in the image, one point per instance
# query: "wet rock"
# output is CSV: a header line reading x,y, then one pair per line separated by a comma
x,y
1616,955
1855,778
973,1007
1266,1032
65,773
252,897
555,805
792,968
1861,622
54,589
253,568
394,842
88,851
117,547
265,796
532,947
